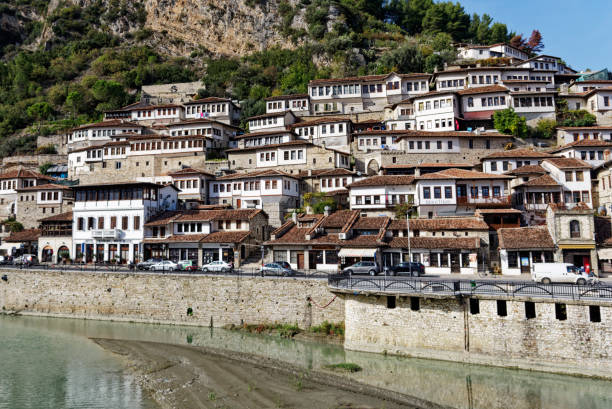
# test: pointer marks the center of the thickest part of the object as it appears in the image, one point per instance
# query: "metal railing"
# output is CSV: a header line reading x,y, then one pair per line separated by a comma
x,y
394,285
125,268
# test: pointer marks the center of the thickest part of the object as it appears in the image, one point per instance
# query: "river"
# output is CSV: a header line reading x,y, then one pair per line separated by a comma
x,y
51,363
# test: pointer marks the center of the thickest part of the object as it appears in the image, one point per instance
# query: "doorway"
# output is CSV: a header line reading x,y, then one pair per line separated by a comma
x,y
300,261
524,260
455,264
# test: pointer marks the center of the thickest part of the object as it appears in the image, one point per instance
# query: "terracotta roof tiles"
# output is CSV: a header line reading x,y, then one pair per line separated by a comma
x,y
536,237
518,153
441,223
383,180
23,236
568,163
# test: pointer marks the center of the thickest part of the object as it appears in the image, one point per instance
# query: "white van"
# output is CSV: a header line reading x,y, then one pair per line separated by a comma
x,y
547,273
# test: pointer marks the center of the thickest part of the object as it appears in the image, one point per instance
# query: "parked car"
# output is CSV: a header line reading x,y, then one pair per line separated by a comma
x,y
29,259
218,265
277,268
547,273
6,260
417,269
187,265
165,265
363,267
145,265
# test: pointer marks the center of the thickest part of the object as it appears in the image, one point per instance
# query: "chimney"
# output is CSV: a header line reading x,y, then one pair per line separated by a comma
x,y
309,172
417,172
294,218
326,210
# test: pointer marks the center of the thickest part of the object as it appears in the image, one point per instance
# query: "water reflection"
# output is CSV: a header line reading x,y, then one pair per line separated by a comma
x,y
449,384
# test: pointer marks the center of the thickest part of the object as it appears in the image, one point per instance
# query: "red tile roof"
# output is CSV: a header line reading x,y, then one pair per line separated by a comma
x,y
226,237
457,134
322,120
518,153
325,172
284,97
441,223
256,174
207,99
273,146
585,143
113,123
371,223
23,173
527,169
23,236
441,243
263,133
536,237
544,180
383,180
46,186
189,171
461,174
568,163
366,78
483,90
62,217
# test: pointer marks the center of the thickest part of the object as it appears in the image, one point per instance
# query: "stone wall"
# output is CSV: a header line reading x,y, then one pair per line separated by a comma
x,y
166,298
444,328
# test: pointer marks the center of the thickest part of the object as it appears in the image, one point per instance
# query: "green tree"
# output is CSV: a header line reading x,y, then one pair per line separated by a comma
x,y
74,101
509,122
13,225
405,58
402,209
545,128
39,112
449,18
109,94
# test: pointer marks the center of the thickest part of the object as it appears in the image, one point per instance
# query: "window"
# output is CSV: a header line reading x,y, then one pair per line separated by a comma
x,y
560,312
448,192
512,259
496,191
579,176
568,176
493,166
124,222
81,224
391,301
594,313
437,192
485,191
474,306
530,310
574,228
136,222
426,193
113,222
415,304
502,308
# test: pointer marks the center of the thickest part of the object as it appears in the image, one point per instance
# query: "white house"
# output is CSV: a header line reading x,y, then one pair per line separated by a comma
x,y
299,104
480,103
436,111
483,52
379,195
566,134
505,161
274,121
593,151
166,113
574,176
520,247
108,219
328,131
219,109
100,132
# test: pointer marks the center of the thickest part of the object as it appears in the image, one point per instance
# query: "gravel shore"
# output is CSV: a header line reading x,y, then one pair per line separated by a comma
x,y
182,376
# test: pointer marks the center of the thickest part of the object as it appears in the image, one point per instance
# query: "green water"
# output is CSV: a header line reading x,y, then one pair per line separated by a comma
x,y
50,363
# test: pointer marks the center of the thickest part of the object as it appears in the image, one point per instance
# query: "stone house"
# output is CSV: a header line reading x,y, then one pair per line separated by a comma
x,y
572,229
380,195
299,104
15,179
203,236
55,241
37,202
520,247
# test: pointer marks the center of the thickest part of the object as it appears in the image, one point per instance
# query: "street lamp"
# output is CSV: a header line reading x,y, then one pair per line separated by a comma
x,y
408,239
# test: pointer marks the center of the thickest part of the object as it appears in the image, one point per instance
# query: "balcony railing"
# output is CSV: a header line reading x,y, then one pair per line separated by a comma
x,y
105,234
501,200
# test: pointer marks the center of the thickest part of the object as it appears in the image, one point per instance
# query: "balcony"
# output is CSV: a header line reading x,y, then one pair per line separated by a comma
x,y
501,201
106,234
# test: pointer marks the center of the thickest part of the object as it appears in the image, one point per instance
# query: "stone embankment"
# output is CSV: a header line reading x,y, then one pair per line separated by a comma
x,y
169,299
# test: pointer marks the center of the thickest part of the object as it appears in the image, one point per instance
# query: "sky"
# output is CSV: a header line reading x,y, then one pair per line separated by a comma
x,y
580,32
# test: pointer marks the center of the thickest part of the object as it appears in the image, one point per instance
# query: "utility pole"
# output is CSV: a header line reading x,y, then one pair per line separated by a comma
x,y
408,239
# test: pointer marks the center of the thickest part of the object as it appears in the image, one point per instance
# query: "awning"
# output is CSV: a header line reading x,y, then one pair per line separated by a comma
x,y
478,115
605,254
348,252
576,246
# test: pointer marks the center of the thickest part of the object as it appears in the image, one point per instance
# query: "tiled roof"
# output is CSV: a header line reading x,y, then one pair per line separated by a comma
x,y
226,237
441,223
284,97
461,174
461,243
579,128
322,120
536,237
203,215
46,186
263,133
371,223
189,171
271,115
527,169
23,236
482,90
383,180
62,217
457,134
23,173
256,174
428,165
568,163
544,180
431,94
113,123
518,153
197,121
498,211
163,219
366,78
380,132
273,146
585,143
326,172
207,99
339,218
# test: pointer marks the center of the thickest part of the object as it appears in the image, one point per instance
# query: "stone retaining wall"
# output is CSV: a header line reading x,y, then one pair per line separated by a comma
x,y
445,329
166,298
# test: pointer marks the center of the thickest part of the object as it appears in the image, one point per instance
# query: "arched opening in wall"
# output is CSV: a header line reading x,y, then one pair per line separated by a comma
x,y
47,254
63,253
373,167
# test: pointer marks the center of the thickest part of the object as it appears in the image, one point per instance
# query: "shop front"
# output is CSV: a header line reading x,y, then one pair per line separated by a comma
x,y
350,255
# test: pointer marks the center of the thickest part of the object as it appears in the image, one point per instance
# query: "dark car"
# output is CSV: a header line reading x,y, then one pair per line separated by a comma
x,y
145,265
417,269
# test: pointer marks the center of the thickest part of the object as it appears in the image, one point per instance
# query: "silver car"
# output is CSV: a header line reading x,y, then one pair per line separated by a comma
x,y
363,267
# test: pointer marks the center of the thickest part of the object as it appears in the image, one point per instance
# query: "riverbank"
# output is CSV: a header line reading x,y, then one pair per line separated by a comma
x,y
179,376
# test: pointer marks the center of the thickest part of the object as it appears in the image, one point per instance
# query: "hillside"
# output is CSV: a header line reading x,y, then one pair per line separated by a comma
x,y
65,62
